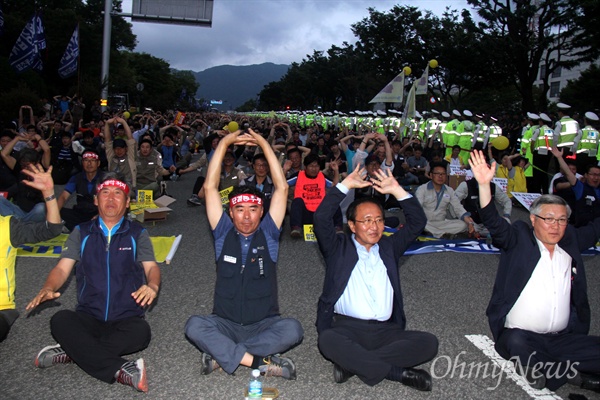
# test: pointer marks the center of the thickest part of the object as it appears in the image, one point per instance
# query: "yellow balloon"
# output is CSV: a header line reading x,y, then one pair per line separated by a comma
x,y
433,63
233,126
407,71
126,115
500,143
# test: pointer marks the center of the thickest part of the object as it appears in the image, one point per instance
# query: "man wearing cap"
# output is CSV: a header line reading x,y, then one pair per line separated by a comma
x,y
83,185
528,130
117,279
245,327
450,133
566,130
465,135
121,154
541,143
587,148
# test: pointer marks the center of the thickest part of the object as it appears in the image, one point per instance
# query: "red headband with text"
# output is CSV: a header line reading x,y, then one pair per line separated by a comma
x,y
89,154
114,183
245,198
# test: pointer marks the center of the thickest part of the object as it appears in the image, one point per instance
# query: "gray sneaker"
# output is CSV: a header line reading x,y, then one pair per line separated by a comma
x,y
278,366
194,201
51,355
133,373
209,364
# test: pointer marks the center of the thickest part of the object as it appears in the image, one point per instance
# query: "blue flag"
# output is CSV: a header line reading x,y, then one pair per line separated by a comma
x,y
68,63
26,51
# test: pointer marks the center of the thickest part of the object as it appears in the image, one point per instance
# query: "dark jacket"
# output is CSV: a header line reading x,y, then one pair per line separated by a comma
x,y
341,255
520,254
107,274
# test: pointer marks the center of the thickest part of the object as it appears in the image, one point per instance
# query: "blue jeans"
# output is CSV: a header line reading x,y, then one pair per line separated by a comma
x,y
37,213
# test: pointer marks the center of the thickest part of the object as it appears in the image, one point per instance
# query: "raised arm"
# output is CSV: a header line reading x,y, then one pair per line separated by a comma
x,y
279,199
564,168
214,207
484,174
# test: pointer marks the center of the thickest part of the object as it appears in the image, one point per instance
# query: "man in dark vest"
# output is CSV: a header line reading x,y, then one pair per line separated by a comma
x,y
245,327
84,186
468,194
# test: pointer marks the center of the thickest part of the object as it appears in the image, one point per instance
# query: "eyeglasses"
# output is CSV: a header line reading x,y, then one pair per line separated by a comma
x,y
552,221
369,222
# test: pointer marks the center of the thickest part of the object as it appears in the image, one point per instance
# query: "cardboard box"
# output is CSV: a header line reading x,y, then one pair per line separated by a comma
x,y
455,180
159,213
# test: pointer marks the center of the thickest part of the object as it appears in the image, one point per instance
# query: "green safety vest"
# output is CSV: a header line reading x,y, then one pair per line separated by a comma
x,y
569,128
589,141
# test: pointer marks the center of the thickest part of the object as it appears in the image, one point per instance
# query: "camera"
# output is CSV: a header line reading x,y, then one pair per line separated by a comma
x,y
245,126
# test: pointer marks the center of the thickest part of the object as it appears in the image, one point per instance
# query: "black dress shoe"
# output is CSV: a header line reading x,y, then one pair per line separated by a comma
x,y
416,378
340,375
586,381
535,379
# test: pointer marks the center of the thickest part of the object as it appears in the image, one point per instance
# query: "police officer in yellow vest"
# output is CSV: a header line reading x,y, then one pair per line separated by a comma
x,y
450,133
13,233
479,132
541,145
587,148
465,135
566,131
526,145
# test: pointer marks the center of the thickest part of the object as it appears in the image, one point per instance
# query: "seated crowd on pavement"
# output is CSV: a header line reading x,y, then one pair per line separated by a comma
x,y
366,168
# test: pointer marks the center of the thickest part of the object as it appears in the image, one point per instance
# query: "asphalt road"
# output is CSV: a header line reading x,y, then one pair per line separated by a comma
x,y
445,293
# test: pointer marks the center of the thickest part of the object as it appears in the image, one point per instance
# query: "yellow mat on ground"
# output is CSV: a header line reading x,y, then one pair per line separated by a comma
x,y
164,247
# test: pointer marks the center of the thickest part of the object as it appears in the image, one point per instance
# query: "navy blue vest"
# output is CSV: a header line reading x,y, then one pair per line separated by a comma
x,y
247,294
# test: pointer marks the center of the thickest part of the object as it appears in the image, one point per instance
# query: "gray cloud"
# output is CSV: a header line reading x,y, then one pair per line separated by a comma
x,y
248,32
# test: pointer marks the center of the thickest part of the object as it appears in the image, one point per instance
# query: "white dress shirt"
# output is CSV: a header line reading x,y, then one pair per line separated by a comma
x,y
544,303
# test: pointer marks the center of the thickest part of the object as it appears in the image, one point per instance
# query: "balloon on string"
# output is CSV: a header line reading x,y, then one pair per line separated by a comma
x,y
433,63
126,115
407,71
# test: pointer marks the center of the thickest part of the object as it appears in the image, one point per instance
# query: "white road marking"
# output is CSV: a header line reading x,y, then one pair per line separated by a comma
x,y
486,345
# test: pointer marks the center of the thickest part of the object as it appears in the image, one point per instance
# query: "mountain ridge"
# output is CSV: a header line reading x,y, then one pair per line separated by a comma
x,y
236,84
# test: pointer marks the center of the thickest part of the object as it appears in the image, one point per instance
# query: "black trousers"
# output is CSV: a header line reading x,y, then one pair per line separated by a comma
x,y
75,216
369,349
97,346
559,353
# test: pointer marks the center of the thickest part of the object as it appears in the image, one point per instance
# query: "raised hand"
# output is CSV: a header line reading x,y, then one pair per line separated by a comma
x,y
385,182
483,172
355,179
42,180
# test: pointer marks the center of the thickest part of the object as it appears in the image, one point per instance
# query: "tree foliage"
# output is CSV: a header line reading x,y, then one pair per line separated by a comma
x,y
59,17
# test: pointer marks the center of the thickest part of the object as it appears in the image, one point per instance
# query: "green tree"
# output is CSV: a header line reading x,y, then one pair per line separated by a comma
x,y
582,94
529,34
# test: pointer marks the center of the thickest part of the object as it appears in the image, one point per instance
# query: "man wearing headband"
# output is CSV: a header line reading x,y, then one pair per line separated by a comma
x,y
117,278
84,186
245,327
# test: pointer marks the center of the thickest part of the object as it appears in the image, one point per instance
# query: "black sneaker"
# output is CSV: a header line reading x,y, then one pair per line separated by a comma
x,y
133,373
209,364
278,366
52,355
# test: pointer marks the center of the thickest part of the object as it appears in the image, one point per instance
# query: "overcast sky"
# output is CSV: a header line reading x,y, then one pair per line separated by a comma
x,y
248,32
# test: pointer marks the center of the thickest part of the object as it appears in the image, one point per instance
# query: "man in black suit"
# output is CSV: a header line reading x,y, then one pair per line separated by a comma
x,y
539,312
360,317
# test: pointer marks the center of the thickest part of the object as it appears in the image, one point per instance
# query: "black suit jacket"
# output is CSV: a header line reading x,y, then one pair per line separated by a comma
x,y
341,256
519,256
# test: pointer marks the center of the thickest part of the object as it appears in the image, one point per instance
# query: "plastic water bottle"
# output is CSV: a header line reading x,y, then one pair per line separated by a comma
x,y
255,386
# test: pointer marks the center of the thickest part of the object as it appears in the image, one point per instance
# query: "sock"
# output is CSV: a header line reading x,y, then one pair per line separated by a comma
x,y
395,374
256,362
